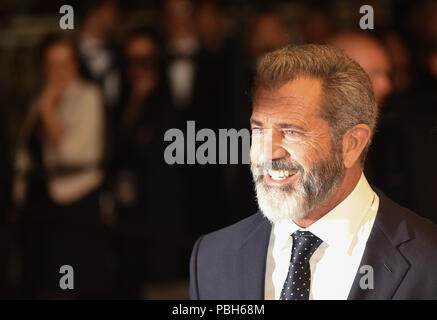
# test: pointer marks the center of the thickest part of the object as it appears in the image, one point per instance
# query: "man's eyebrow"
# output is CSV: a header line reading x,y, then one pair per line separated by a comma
x,y
281,125
290,126
255,122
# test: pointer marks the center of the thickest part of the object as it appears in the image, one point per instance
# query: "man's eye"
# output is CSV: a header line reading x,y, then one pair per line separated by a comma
x,y
291,132
257,130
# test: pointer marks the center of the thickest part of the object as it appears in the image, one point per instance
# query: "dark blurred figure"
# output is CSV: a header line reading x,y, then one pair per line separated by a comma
x,y
98,53
316,23
371,56
195,61
224,61
152,240
422,35
417,105
419,111
400,58
196,73
99,59
182,47
387,163
58,178
7,226
420,108
210,25
266,31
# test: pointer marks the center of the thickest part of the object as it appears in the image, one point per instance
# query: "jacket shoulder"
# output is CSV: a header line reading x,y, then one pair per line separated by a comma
x,y
234,235
421,231
214,260
416,239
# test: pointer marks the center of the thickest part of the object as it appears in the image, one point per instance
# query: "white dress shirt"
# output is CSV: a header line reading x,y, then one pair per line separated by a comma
x,y
344,232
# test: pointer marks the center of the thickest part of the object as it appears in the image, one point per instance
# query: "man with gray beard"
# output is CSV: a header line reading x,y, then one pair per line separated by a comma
x,y
322,231
296,201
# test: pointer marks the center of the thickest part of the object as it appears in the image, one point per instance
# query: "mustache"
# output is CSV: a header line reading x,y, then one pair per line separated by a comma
x,y
278,164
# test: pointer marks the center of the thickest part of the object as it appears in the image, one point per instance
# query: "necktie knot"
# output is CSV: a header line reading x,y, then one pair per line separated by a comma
x,y
304,245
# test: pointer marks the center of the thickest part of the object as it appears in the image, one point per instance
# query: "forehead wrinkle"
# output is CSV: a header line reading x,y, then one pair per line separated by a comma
x,y
295,112
281,101
280,118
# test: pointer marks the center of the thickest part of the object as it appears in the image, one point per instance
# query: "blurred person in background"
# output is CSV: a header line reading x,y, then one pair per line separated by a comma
x,y
6,215
99,60
210,25
222,60
195,61
422,35
316,23
418,106
182,46
371,56
97,51
58,178
196,77
414,106
400,57
152,237
386,164
267,31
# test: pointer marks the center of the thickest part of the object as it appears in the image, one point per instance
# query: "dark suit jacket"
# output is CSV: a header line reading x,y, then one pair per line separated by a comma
x,y
402,249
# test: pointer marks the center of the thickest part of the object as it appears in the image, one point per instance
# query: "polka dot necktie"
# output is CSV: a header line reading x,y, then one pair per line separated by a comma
x,y
297,284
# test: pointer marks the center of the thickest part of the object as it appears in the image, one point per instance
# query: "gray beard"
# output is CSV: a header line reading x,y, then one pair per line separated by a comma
x,y
297,201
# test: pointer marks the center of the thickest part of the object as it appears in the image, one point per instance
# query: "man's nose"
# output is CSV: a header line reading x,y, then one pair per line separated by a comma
x,y
271,147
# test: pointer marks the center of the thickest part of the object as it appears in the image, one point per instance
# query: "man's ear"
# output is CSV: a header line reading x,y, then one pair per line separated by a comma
x,y
354,142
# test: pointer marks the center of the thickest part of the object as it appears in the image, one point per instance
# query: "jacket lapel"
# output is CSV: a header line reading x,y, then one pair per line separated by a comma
x,y
251,261
389,266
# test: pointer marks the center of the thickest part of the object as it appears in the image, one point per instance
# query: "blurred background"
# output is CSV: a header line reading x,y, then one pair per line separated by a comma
x,y
83,114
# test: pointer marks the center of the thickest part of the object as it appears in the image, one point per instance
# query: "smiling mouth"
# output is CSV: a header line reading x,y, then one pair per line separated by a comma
x,y
280,175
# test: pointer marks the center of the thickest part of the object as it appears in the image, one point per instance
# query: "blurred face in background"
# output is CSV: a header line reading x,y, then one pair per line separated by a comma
x,y
209,24
60,64
104,19
178,18
295,163
269,32
141,54
372,57
316,26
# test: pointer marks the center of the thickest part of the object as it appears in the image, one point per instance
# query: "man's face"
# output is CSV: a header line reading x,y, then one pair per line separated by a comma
x,y
295,164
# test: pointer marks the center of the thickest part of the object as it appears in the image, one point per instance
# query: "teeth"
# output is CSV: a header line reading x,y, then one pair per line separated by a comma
x,y
279,174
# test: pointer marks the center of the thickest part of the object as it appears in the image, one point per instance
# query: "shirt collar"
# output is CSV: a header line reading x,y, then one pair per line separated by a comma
x,y
337,227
